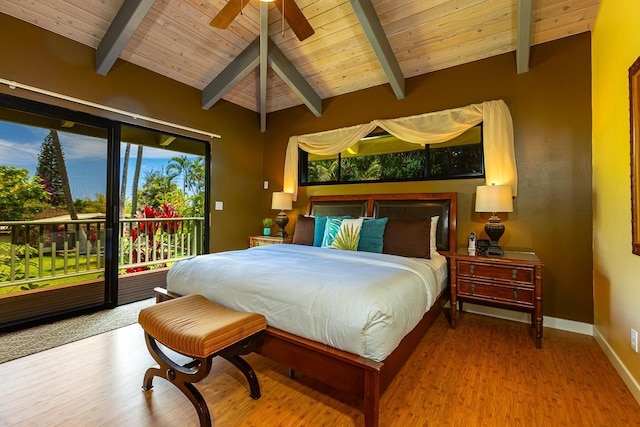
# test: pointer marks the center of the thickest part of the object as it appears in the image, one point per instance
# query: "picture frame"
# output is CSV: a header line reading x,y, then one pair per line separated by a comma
x,y
634,117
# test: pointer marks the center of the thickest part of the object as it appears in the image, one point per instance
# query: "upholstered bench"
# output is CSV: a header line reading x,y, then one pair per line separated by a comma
x,y
200,329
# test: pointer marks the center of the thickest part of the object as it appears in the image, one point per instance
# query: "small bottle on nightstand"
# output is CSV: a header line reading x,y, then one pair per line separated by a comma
x,y
472,243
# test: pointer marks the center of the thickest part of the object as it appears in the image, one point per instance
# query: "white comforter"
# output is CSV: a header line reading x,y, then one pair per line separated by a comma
x,y
360,302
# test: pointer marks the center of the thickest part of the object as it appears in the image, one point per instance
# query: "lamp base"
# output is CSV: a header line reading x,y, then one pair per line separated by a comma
x,y
282,220
494,229
494,250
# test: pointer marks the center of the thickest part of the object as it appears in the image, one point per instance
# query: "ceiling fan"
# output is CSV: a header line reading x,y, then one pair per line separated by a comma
x,y
289,9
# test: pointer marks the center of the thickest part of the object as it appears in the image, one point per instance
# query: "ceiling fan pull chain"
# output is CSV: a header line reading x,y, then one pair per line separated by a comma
x,y
241,7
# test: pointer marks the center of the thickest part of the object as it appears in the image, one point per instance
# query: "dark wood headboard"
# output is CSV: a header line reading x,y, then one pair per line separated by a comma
x,y
405,206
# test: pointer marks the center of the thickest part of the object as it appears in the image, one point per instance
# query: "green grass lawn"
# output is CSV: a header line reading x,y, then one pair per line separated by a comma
x,y
6,287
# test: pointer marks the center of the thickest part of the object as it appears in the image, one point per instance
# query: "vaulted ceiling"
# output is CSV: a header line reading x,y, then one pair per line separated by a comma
x,y
356,43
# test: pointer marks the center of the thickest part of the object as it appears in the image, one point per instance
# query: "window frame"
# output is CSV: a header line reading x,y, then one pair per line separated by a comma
x,y
303,167
114,130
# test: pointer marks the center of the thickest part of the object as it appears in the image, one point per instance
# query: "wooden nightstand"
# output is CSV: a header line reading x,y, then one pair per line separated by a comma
x,y
512,281
268,240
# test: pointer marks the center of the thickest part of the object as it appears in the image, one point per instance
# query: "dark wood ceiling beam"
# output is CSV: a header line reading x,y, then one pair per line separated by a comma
x,y
264,56
292,77
127,20
378,39
233,73
523,45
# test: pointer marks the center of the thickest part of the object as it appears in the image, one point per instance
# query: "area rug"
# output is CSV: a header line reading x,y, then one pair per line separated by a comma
x,y
43,337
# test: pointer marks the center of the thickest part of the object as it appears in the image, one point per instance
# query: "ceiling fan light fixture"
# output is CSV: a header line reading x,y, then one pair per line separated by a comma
x,y
267,1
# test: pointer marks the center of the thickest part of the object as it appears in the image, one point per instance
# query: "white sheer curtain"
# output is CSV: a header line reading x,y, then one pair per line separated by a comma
x,y
429,128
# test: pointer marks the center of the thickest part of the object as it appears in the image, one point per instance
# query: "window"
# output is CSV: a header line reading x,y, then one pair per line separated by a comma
x,y
383,157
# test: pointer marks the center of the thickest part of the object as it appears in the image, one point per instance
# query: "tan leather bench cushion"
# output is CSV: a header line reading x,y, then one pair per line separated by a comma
x,y
197,327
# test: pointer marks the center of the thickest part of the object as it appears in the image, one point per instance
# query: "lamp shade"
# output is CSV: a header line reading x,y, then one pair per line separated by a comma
x,y
494,198
281,201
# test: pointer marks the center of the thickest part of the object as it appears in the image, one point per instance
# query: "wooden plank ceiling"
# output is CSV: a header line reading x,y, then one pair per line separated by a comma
x,y
174,38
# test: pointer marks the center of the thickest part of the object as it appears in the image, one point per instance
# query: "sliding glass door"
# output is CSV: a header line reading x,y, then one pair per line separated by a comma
x,y
162,212
53,213
92,212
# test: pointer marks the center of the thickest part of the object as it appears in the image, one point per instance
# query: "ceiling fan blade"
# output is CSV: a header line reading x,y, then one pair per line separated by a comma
x,y
295,18
228,13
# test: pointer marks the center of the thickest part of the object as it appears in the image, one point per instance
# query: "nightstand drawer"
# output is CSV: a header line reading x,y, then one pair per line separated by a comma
x,y
512,281
492,291
504,272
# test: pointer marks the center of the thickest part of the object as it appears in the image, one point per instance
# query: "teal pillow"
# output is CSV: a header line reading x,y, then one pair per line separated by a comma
x,y
331,231
372,235
321,222
318,234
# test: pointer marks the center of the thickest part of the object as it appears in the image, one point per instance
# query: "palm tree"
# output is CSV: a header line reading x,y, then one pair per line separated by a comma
x,y
198,172
325,172
180,166
68,197
64,176
123,182
136,178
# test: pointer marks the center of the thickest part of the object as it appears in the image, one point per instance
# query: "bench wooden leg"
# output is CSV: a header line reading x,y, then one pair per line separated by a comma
x,y
180,376
184,376
233,353
248,372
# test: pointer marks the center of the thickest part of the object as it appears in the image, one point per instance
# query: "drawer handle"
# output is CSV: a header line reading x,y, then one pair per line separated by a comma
x,y
473,288
472,269
515,294
514,273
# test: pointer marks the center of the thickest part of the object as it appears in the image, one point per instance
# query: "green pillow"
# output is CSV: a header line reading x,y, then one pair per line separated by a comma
x,y
372,235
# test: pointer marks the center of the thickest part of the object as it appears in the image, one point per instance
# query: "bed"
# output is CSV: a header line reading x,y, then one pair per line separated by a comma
x,y
361,354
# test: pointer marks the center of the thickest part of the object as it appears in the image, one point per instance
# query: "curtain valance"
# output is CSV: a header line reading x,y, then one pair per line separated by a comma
x,y
429,128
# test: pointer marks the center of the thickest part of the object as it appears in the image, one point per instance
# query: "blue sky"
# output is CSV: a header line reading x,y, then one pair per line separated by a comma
x,y
85,157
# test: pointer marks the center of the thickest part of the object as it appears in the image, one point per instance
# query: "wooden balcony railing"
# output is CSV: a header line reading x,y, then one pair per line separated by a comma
x,y
36,252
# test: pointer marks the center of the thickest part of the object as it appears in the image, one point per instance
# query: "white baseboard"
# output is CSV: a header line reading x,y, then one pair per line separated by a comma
x,y
550,322
622,370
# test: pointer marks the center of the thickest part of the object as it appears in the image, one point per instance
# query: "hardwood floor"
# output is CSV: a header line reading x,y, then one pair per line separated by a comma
x,y
487,372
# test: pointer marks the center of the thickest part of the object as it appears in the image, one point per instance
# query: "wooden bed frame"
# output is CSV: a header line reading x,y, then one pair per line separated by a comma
x,y
346,372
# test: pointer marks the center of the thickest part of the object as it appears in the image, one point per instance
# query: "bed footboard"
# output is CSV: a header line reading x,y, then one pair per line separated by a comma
x,y
339,369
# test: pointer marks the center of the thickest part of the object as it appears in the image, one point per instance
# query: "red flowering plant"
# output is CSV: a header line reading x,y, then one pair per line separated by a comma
x,y
148,229
168,211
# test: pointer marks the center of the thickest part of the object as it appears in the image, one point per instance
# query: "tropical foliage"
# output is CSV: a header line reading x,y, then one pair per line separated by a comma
x,y
151,231
96,205
21,196
160,187
5,261
452,161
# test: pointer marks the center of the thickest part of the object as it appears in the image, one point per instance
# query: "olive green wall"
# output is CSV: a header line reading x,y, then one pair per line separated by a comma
x,y
550,105
39,58
551,109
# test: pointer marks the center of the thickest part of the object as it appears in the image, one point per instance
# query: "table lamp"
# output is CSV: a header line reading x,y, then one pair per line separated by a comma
x,y
282,201
494,198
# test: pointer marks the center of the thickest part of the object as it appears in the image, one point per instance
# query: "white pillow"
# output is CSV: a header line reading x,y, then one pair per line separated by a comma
x,y
432,238
348,236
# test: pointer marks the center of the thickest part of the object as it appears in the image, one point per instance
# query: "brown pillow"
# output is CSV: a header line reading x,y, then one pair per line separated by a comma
x,y
305,230
407,237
